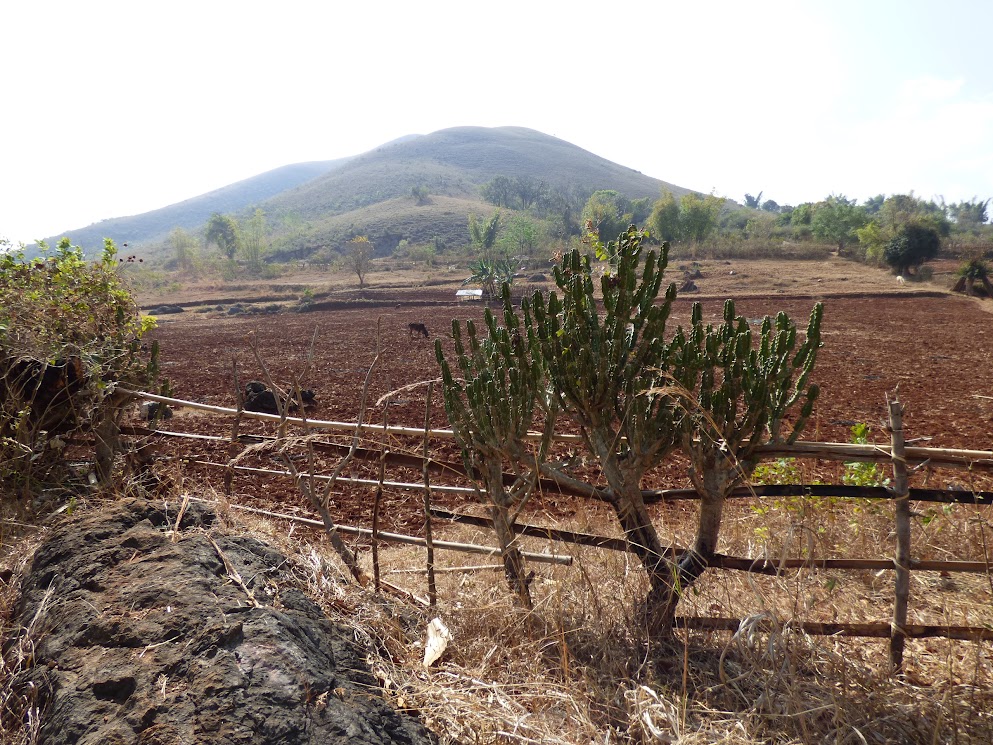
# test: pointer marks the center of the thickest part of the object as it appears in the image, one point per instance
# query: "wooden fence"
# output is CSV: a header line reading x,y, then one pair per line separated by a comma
x,y
903,459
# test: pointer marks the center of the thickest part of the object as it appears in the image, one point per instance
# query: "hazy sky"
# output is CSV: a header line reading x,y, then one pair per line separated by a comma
x,y
117,108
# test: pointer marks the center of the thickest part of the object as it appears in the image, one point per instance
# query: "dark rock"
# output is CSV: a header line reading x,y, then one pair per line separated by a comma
x,y
538,278
164,310
141,640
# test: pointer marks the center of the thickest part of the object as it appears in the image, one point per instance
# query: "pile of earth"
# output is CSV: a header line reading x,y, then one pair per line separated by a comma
x,y
136,638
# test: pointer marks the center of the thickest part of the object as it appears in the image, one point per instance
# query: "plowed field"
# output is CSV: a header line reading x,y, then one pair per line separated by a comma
x,y
938,349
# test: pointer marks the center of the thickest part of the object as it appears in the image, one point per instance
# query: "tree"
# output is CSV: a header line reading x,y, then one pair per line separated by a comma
x,y
872,205
698,215
625,384
969,215
254,241
490,274
836,220
420,194
491,407
664,219
184,248
753,202
900,209
499,191
913,245
529,190
484,234
521,236
359,257
873,241
70,343
222,231
605,212
770,205
742,392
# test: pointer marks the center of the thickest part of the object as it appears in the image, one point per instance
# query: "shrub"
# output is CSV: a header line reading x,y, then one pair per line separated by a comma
x,y
913,245
70,339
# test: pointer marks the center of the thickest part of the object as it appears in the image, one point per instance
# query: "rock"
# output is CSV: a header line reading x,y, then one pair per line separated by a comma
x,y
539,277
164,310
141,640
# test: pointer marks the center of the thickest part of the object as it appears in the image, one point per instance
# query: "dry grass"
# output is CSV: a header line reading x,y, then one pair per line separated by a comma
x,y
576,670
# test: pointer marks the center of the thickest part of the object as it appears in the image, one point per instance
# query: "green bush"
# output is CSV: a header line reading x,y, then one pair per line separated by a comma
x,y
913,245
70,338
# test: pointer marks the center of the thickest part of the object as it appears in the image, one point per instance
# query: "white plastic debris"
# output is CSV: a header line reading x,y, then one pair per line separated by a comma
x,y
437,642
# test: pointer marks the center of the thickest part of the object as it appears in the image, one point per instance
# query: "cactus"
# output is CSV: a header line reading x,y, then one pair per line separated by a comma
x,y
491,409
742,393
617,377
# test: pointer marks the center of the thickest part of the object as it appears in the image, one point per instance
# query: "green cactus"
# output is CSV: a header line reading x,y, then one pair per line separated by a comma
x,y
742,393
617,377
491,408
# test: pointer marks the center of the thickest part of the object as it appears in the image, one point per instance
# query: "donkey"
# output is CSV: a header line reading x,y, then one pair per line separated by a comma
x,y
417,328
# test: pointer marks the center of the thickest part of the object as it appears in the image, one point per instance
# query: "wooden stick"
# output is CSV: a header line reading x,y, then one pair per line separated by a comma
x,y
815,628
451,570
341,479
377,501
722,561
875,453
902,557
428,539
470,548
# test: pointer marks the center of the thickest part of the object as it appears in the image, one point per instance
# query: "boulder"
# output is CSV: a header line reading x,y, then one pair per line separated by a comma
x,y
139,639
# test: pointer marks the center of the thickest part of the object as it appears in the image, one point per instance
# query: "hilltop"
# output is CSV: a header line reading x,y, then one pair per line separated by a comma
x,y
316,207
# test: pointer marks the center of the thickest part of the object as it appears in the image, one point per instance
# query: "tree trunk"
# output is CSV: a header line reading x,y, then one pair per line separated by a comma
x,y
513,562
629,505
107,433
712,489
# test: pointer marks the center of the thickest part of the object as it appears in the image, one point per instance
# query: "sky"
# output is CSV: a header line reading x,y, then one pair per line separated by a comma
x,y
118,108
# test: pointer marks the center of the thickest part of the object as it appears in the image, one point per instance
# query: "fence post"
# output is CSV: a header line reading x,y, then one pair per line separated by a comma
x,y
429,541
901,560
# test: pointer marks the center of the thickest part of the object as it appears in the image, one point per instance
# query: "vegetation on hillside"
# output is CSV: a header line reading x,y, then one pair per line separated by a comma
x,y
414,199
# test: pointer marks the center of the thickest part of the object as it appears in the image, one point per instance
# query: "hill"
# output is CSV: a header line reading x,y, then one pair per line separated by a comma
x,y
314,208
452,165
190,214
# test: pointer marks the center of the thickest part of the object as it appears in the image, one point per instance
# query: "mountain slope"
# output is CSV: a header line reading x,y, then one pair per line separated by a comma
x,y
317,207
372,189
192,213
456,162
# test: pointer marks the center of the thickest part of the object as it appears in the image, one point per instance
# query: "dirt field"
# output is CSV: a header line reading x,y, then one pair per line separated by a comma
x,y
936,347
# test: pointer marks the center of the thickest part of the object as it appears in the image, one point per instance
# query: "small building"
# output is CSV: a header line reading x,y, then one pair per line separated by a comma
x,y
462,295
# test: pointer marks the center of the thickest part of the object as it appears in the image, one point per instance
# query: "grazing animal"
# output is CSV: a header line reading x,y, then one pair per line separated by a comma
x,y
417,328
259,398
900,279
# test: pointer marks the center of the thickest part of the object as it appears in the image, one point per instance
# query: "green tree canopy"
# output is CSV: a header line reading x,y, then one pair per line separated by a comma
x,y
222,231
664,219
255,239
698,215
913,244
836,219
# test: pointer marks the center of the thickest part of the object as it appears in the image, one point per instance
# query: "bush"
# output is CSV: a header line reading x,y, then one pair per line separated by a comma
x,y
913,245
70,338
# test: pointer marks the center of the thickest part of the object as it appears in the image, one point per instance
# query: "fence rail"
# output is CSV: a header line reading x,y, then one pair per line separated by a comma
x,y
902,457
